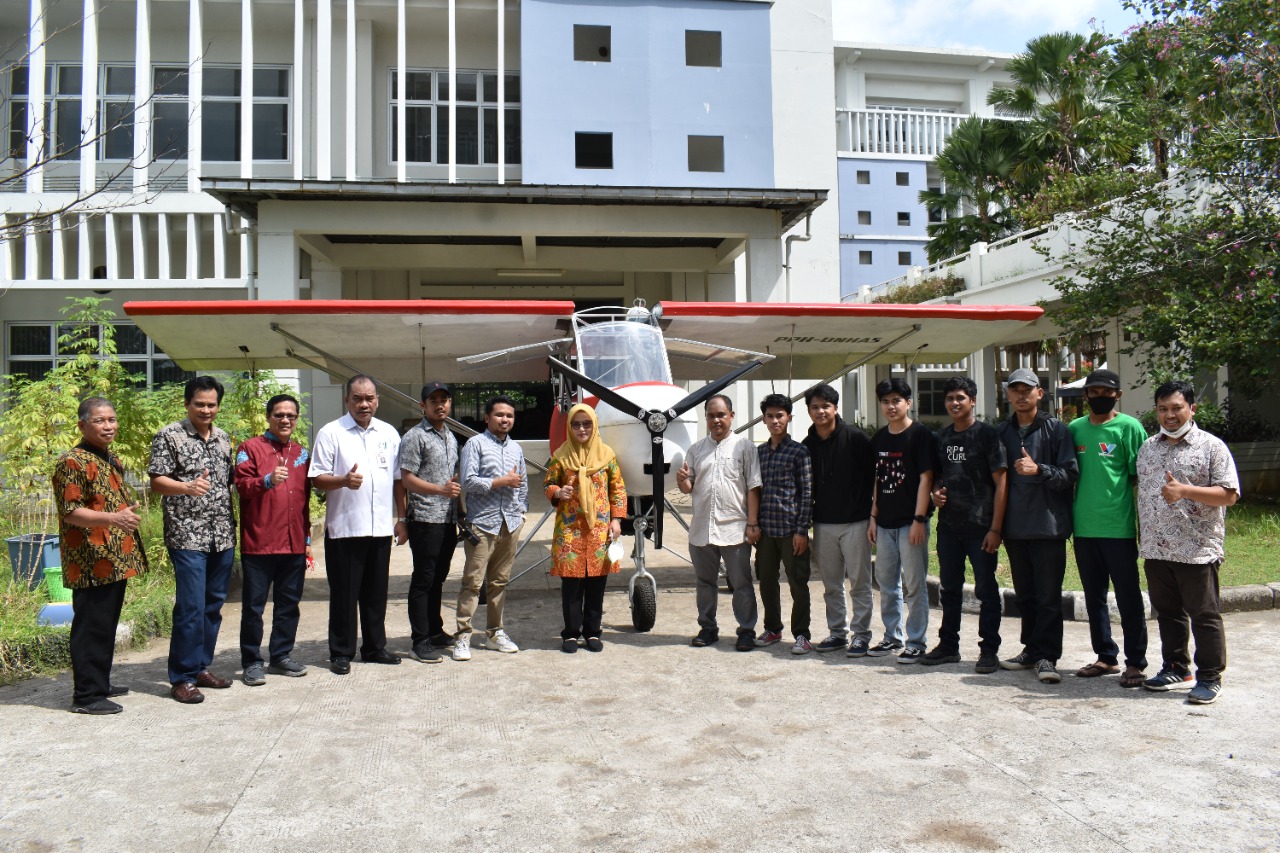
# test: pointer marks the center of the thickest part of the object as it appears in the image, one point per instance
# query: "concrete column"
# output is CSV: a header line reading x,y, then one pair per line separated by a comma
x,y
277,265
764,273
246,89
982,370
195,109
37,130
300,113
142,95
363,134
324,89
88,99
350,77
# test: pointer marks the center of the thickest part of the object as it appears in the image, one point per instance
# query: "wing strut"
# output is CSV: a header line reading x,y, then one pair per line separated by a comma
x,y
848,368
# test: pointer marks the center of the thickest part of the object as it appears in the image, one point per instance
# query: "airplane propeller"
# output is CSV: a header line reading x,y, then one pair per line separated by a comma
x,y
656,421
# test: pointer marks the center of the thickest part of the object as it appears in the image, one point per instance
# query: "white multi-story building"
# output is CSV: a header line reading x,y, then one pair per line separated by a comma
x,y
251,149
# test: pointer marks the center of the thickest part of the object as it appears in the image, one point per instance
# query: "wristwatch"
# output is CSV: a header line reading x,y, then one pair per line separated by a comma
x,y
921,519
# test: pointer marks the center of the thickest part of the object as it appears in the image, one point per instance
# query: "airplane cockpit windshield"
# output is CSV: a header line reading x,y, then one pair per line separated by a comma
x,y
623,353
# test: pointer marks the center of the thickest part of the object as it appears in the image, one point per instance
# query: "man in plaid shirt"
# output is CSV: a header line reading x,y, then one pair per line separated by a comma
x,y
786,509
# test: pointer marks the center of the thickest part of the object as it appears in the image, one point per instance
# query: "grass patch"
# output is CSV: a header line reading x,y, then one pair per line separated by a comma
x,y
28,648
1253,535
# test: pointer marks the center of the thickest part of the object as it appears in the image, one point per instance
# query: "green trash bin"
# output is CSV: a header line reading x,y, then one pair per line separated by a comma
x,y
58,594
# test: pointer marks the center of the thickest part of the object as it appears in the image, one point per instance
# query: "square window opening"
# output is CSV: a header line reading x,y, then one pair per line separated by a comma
x,y
706,153
904,259
593,150
904,218
864,177
702,48
591,43
864,257
864,217
904,179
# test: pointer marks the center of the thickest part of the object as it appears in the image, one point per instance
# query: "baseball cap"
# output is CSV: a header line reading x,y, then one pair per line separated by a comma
x,y
432,387
1103,378
1023,376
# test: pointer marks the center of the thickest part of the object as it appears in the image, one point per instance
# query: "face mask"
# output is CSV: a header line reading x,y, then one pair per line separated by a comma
x,y
1102,405
1179,432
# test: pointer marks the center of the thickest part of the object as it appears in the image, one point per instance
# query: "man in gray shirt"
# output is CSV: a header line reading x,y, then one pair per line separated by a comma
x,y
429,473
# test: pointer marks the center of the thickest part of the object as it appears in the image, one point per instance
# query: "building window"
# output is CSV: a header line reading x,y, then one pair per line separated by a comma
x,y
593,150
427,117
706,153
930,401
904,259
904,218
864,257
591,43
702,48
864,217
864,177
904,179
32,350
935,211
62,114
220,112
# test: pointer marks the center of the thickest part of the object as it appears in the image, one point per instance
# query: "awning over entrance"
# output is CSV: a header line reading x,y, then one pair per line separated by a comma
x,y
401,341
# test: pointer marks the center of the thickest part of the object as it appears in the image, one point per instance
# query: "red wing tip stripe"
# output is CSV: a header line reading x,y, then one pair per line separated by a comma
x,y
180,308
827,309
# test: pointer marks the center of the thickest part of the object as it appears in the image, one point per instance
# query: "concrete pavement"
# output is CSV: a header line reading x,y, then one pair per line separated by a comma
x,y
650,745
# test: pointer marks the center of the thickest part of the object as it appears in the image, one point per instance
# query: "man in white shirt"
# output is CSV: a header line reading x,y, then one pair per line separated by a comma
x,y
354,460
722,472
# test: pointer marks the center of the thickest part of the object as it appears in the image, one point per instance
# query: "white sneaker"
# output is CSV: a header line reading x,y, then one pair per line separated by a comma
x,y
462,648
500,642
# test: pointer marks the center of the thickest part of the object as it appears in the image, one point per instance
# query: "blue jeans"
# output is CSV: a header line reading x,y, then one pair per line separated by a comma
x,y
900,572
201,579
952,550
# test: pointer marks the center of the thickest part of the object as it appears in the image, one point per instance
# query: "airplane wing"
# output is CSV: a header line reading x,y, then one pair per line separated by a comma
x,y
818,339
390,339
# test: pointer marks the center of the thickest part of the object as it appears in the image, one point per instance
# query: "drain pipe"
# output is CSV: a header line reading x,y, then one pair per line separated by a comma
x,y
786,263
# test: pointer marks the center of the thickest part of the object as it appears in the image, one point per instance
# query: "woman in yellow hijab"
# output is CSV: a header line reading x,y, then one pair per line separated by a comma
x,y
585,485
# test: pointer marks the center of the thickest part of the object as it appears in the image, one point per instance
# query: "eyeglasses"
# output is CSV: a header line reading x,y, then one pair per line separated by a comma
x,y
280,417
102,421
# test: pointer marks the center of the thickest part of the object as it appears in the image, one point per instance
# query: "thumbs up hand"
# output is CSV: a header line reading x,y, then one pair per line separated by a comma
x,y
684,478
354,479
1026,466
510,480
280,474
1172,490
200,485
451,488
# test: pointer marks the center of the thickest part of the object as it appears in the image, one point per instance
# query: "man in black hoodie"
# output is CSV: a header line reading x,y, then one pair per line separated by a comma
x,y
843,475
1042,479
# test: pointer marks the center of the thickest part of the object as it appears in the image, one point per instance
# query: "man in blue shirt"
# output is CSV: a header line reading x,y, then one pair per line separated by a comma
x,y
495,485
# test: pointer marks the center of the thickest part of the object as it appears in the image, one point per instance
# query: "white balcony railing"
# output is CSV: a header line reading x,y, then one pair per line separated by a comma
x,y
908,134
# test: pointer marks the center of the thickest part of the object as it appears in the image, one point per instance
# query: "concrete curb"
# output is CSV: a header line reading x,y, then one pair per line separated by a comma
x,y
1235,599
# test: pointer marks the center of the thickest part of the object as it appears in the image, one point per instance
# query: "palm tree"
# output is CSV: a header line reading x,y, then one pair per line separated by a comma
x,y
977,168
1065,86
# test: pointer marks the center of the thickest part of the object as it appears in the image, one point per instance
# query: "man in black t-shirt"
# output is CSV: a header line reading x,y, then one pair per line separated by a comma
x,y
904,452
970,492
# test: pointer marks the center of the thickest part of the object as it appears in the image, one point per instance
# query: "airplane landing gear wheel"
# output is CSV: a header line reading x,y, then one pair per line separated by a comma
x,y
644,604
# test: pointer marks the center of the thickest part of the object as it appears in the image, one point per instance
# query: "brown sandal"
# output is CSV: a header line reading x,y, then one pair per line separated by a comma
x,y
1097,668
1132,679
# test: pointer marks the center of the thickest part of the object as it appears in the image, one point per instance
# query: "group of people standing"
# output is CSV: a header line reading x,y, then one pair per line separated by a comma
x,y
1029,484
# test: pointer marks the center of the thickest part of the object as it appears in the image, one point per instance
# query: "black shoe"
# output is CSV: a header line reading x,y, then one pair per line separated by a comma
x,y
340,666
594,644
113,691
99,708
939,655
569,646
707,637
424,653
987,663
381,656
442,641
746,641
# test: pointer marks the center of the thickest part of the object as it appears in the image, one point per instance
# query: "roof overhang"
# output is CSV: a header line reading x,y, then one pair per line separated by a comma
x,y
244,196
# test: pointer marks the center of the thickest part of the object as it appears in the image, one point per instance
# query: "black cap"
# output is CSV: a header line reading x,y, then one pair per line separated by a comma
x,y
432,387
1103,379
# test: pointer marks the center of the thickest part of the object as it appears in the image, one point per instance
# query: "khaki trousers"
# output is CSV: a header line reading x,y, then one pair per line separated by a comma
x,y
489,561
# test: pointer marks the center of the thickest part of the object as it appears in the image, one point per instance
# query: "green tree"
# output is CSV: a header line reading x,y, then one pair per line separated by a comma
x,y
976,166
1189,265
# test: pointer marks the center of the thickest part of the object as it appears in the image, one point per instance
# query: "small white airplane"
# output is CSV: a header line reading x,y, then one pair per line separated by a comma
x,y
624,361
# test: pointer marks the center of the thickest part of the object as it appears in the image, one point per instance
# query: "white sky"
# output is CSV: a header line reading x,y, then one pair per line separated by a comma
x,y
998,25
